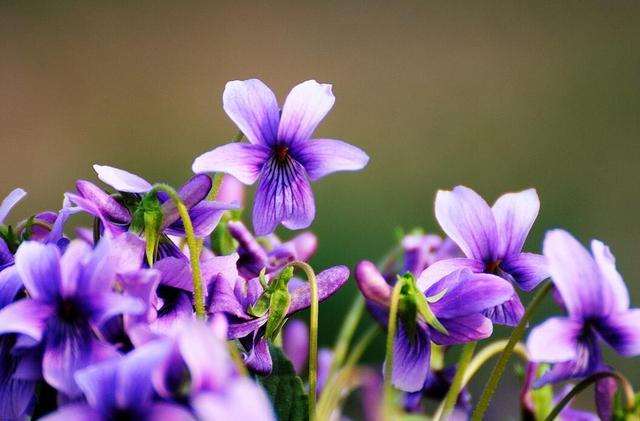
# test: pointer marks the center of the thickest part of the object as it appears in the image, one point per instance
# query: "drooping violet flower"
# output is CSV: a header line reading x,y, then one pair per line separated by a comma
x,y
272,254
121,389
70,298
116,216
460,310
421,251
198,367
597,302
491,239
235,301
17,393
281,152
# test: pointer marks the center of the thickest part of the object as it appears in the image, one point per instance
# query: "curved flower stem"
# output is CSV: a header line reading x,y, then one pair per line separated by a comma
x,y
501,364
458,381
313,335
192,243
34,222
346,334
333,389
486,353
626,387
237,358
387,399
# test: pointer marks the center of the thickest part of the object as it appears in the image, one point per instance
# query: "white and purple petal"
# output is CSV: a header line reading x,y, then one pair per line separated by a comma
x,y
526,270
321,157
122,180
555,340
241,160
9,202
304,108
515,214
411,358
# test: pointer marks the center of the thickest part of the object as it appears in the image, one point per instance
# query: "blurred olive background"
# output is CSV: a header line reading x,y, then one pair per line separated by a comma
x,y
496,96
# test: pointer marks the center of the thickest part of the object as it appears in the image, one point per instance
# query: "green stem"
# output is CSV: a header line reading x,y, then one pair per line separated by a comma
x,y
313,335
626,387
237,358
452,395
391,335
501,364
192,243
486,353
346,334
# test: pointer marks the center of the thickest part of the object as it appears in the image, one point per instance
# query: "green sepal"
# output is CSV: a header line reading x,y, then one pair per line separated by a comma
x,y
147,219
261,306
9,237
28,228
279,303
414,302
285,389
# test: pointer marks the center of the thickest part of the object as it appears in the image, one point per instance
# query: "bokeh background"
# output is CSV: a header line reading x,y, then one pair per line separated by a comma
x,y
498,96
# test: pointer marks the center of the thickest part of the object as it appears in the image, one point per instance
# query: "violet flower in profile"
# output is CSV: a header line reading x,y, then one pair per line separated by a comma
x,y
281,152
6,257
70,299
491,239
597,304
457,300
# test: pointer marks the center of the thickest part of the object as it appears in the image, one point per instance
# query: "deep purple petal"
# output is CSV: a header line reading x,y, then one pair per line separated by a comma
x,y
321,157
329,281
169,411
587,361
17,398
622,332
191,193
98,383
109,304
468,293
75,412
284,196
9,202
254,109
555,340
463,329
574,273
419,252
223,300
508,313
205,216
242,329
259,358
104,203
604,396
10,285
134,388
253,258
241,400
410,358
6,257
371,283
614,292
515,214
527,270
91,208
442,268
26,316
39,268
469,221
295,343
241,160
305,107
122,180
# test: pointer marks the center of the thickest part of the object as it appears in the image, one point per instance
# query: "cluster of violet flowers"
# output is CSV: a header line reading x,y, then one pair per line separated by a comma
x,y
169,307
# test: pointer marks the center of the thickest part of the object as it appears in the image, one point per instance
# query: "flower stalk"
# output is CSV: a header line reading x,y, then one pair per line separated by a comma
x,y
387,399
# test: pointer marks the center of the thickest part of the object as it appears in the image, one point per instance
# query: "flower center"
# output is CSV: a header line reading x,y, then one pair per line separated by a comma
x,y
281,153
493,266
69,311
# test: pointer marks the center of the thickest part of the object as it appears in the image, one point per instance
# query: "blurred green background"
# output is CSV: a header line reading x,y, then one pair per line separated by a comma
x,y
498,96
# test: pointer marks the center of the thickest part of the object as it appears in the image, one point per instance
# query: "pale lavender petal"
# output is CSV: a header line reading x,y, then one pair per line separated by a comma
x,y
284,196
175,272
555,340
372,284
574,273
75,412
587,361
242,329
241,160
105,204
122,180
142,285
508,313
410,358
463,329
99,272
468,293
305,107
205,216
253,257
127,252
515,214
169,411
325,360
110,304
295,343
321,157
26,316
254,108
9,202
223,300
527,270
614,292
232,403
99,384
621,331
231,190
10,285
134,388
92,209
212,266
71,265
468,220
329,281
442,268
419,252
191,193
39,268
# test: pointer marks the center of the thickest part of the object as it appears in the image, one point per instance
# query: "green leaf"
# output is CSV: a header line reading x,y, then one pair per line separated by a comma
x,y
222,242
285,389
542,397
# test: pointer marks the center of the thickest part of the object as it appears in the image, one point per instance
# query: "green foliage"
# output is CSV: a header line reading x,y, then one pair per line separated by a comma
x,y
285,389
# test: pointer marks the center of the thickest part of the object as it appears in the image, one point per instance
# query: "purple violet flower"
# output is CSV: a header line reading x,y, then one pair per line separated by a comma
x,y
460,310
235,298
281,152
597,303
491,239
70,299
